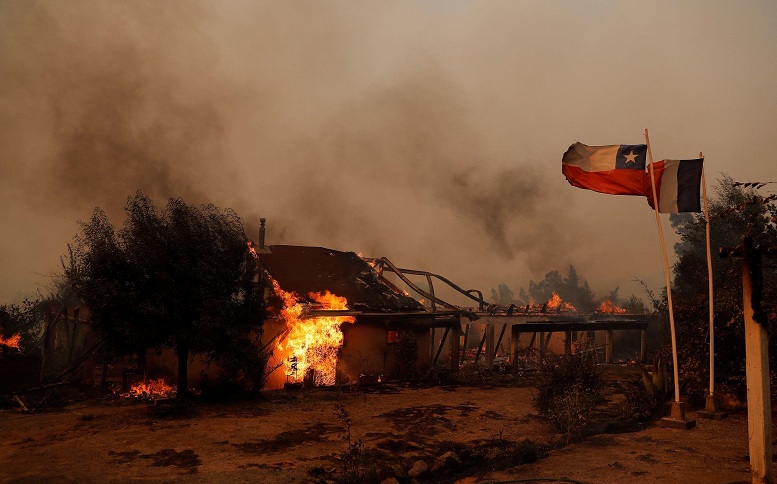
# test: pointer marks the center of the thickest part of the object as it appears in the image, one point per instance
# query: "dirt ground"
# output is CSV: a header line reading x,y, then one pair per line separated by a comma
x,y
299,436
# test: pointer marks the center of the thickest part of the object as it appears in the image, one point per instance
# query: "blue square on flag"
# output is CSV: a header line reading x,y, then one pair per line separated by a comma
x,y
631,157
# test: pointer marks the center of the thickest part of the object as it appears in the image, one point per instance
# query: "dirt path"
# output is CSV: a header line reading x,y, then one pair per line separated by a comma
x,y
296,437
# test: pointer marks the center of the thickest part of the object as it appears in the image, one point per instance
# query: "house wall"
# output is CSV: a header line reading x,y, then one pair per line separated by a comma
x,y
365,351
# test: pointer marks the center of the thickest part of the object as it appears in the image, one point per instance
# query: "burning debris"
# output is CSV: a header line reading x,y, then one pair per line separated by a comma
x,y
609,307
554,305
150,390
11,342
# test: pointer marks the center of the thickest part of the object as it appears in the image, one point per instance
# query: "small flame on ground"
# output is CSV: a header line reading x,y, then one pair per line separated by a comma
x,y
11,342
312,343
150,389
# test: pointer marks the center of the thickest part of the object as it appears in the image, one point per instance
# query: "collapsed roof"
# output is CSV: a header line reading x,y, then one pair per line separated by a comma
x,y
304,270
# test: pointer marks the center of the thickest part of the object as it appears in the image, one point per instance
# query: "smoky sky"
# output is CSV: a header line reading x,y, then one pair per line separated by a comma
x,y
429,132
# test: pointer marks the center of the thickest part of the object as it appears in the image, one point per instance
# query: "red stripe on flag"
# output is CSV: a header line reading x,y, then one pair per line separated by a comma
x,y
613,182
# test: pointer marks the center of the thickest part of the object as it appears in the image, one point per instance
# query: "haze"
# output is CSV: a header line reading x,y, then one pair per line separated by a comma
x,y
430,132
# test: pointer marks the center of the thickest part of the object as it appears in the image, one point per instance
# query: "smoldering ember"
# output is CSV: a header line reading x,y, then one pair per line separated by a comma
x,y
368,372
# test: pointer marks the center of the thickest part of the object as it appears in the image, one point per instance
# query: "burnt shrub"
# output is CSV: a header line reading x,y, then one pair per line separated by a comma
x,y
645,399
568,388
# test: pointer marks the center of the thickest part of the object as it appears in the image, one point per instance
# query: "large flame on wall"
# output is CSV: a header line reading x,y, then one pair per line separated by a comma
x,y
311,343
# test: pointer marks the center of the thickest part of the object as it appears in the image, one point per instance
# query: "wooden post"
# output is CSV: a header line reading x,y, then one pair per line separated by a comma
x,y
482,342
759,413
608,346
568,343
432,344
466,337
515,344
455,347
643,346
541,351
442,343
490,345
499,341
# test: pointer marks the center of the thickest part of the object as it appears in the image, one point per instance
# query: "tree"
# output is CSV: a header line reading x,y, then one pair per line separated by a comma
x,y
175,278
735,210
570,288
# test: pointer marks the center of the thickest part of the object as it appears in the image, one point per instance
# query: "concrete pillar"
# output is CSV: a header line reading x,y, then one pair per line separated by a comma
x,y
759,412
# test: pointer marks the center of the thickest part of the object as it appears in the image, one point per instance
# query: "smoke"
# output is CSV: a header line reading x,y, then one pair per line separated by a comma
x,y
100,86
427,132
139,96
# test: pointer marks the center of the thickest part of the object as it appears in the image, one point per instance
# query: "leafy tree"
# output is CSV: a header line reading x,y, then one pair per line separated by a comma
x,y
735,211
635,305
570,288
502,295
175,278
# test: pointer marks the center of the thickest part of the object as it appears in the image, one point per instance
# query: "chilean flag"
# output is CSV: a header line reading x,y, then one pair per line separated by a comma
x,y
613,169
678,183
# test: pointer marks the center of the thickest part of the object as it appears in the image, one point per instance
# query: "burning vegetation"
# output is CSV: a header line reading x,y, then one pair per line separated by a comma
x,y
11,341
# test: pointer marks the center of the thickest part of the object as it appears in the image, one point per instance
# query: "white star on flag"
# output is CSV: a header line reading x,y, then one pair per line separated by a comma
x,y
631,157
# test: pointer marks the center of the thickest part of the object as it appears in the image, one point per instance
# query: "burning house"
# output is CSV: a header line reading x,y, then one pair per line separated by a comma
x,y
335,317
336,320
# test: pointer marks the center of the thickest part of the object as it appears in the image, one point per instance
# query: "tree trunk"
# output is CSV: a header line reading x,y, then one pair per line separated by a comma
x,y
183,367
142,362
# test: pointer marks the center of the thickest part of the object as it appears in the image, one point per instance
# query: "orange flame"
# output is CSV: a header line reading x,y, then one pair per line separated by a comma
x,y
150,389
312,343
11,342
608,306
251,249
555,303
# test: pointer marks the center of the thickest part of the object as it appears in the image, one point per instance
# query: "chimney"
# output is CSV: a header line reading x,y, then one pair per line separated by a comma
x,y
261,233
261,248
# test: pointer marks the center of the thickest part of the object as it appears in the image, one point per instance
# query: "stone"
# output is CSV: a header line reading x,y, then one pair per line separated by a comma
x,y
493,454
448,460
418,468
398,471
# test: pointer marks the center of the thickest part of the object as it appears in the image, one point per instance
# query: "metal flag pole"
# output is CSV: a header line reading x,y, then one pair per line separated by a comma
x,y
711,404
709,273
679,414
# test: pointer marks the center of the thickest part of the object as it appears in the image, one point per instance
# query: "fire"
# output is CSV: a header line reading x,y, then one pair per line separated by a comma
x,y
11,342
148,389
555,303
251,249
312,343
608,306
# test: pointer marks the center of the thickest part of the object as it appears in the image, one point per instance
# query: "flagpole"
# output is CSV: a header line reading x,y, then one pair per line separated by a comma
x,y
668,281
709,276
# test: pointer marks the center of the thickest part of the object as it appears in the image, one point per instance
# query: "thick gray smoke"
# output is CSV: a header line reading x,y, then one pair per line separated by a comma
x,y
429,132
